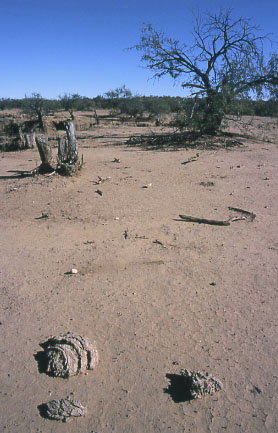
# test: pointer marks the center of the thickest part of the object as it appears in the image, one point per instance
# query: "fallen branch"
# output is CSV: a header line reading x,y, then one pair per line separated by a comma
x,y
191,219
251,215
189,139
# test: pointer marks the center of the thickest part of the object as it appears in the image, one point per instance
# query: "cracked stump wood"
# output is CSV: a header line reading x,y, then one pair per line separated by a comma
x,y
45,152
68,151
72,148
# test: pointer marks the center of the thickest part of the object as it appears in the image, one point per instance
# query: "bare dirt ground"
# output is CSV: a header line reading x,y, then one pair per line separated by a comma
x,y
156,293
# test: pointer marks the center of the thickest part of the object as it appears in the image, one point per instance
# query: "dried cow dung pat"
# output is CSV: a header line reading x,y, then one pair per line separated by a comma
x,y
200,384
69,354
62,410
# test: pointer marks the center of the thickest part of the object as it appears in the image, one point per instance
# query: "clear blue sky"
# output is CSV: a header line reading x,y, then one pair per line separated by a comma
x,y
78,46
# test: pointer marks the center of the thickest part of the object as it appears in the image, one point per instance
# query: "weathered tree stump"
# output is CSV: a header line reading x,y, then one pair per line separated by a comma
x,y
14,137
72,143
45,152
68,152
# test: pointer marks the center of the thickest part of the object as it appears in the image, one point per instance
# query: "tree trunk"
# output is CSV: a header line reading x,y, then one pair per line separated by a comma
x,y
71,114
45,152
214,113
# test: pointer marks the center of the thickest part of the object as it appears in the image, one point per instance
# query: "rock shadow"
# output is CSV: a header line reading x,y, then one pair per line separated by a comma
x,y
42,408
42,360
179,388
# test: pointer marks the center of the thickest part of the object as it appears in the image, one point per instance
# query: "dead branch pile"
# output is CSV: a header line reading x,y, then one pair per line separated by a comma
x,y
183,139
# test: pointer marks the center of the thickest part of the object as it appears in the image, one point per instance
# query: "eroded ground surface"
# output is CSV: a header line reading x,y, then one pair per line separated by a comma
x,y
156,293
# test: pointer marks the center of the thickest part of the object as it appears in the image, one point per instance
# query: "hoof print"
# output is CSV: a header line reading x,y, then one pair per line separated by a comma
x,y
62,410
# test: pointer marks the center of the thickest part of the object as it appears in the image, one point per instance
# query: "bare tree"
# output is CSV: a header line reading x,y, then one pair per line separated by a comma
x,y
225,61
35,105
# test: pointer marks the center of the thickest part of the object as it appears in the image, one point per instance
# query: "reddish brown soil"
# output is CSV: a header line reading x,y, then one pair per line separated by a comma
x,y
170,294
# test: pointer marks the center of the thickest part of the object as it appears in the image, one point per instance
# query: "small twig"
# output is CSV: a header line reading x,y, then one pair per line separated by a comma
x,y
50,174
102,180
43,215
192,159
159,243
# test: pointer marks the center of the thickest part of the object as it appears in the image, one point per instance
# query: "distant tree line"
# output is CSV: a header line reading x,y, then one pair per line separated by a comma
x,y
121,101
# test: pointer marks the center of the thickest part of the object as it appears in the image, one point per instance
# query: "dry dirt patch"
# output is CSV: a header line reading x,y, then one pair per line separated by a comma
x,y
169,295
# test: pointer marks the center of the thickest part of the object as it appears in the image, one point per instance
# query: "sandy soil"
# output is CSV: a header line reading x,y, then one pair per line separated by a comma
x,y
171,294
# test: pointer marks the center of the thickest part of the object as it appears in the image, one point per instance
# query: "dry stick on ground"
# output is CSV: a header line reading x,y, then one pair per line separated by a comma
x,y
251,215
187,218
192,159
204,221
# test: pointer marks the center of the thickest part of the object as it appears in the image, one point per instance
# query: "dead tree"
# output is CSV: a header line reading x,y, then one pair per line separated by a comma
x,y
226,61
